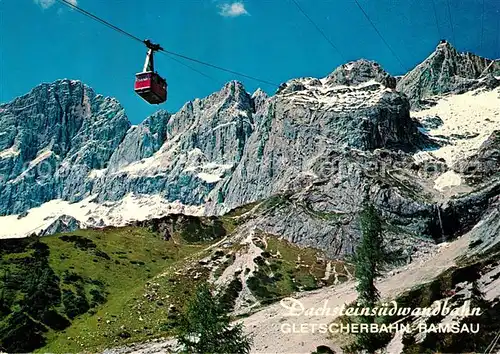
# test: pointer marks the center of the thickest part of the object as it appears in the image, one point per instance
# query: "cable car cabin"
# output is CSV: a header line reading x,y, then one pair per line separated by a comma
x,y
151,87
148,84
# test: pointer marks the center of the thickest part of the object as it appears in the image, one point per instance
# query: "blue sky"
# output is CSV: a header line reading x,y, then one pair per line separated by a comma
x,y
41,41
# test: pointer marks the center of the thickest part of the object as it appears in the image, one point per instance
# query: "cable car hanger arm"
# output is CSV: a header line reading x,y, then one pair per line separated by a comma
x,y
152,48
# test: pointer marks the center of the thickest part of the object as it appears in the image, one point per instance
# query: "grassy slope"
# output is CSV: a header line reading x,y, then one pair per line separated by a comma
x,y
105,270
285,268
115,286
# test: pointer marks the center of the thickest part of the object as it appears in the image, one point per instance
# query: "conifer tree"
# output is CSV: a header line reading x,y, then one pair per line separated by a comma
x,y
369,259
206,326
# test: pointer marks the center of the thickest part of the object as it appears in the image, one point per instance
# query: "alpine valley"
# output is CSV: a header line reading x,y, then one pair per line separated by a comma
x,y
107,227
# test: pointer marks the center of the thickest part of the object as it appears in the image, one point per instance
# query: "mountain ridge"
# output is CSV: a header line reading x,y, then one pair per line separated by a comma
x,y
258,194
447,70
233,147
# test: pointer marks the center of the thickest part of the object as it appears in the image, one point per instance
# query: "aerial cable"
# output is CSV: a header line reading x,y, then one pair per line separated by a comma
x,y
380,34
436,18
498,37
482,27
451,22
106,23
319,29
190,67
217,67
94,17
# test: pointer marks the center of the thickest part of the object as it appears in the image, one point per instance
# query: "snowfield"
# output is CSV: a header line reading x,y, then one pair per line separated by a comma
x,y
92,214
469,119
337,98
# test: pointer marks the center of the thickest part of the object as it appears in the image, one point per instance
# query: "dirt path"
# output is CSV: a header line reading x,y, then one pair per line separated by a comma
x,y
265,325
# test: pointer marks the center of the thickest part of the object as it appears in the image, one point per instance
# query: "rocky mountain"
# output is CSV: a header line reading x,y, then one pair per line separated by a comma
x,y
315,152
202,142
64,223
448,71
141,141
257,194
484,163
51,139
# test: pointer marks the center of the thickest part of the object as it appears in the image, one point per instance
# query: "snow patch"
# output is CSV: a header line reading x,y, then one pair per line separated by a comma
x,y
208,177
223,125
338,98
447,180
42,156
468,120
309,173
10,152
140,166
210,172
97,173
349,66
195,151
89,213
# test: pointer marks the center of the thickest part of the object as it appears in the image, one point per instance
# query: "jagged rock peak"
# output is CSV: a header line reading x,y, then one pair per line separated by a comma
x,y
259,93
63,129
232,92
60,88
234,89
259,98
476,63
446,47
157,121
360,71
351,74
141,141
447,70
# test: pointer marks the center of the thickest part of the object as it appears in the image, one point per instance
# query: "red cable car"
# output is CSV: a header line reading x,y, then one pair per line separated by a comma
x,y
148,84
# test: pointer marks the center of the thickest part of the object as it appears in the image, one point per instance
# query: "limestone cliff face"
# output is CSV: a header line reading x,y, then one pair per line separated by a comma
x,y
484,163
51,138
309,119
141,141
192,150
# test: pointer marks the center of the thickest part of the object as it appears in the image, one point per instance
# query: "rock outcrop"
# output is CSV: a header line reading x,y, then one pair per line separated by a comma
x,y
359,72
202,144
485,163
446,70
141,141
64,223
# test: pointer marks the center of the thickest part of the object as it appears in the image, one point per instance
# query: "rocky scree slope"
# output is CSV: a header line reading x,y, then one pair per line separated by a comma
x,y
316,151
